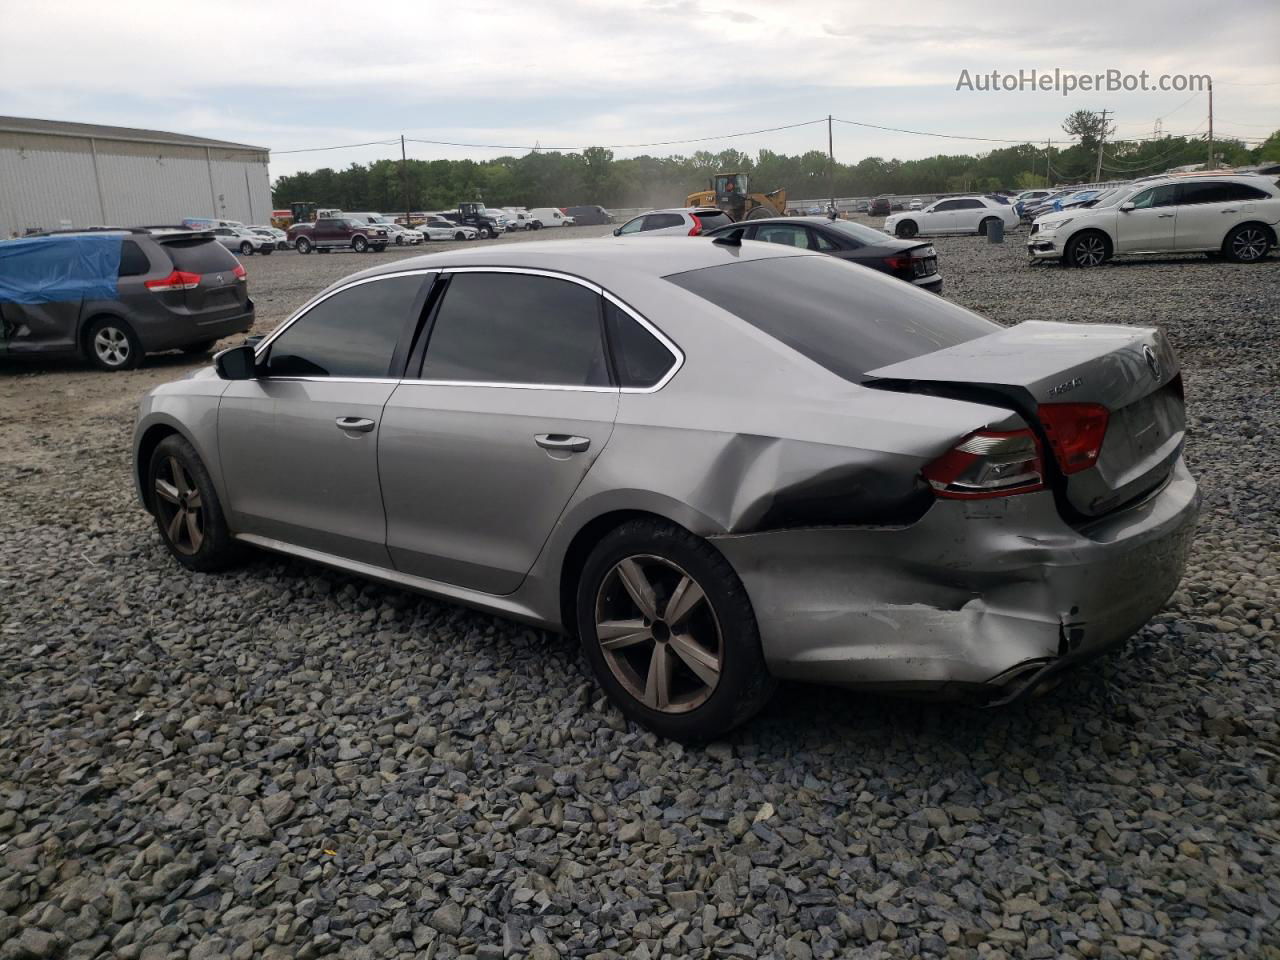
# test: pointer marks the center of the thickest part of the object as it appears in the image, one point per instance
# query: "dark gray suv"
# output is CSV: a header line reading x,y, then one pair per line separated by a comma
x,y
112,296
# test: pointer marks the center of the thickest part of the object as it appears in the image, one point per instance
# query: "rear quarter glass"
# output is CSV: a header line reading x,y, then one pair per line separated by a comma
x,y
842,316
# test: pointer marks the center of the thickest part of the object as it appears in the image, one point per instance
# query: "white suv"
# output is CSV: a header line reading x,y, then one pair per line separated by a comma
x,y
675,222
1235,216
951,215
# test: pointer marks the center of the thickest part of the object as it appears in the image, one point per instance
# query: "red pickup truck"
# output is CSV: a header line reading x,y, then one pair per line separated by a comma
x,y
333,233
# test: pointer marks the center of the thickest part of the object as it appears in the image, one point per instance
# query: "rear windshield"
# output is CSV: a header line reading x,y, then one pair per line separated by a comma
x,y
710,221
837,314
200,256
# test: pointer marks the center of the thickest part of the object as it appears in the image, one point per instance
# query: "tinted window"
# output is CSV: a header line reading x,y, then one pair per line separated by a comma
x,y
1157,197
660,221
632,226
844,317
639,356
351,334
947,205
969,204
133,261
860,233
1219,192
200,256
514,328
710,221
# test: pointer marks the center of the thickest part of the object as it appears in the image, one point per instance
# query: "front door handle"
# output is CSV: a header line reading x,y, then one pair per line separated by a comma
x,y
1164,216
561,441
1232,210
355,424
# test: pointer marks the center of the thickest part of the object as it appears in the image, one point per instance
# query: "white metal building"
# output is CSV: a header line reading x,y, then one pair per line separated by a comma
x,y
55,174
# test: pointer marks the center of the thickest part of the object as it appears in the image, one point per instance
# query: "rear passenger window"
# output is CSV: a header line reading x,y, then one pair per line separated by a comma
x,y
640,357
517,328
133,261
351,334
1218,192
200,256
661,221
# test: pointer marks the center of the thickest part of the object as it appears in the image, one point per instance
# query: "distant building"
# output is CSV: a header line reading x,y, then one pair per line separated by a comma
x,y
55,174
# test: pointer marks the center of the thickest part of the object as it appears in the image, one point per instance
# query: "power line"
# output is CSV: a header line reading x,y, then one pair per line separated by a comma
x,y
945,136
342,146
618,146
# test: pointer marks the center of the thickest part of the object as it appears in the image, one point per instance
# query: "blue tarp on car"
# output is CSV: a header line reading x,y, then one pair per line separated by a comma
x,y
56,269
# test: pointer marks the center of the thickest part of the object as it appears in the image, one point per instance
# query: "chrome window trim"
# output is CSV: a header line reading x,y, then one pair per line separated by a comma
x,y
321,298
677,354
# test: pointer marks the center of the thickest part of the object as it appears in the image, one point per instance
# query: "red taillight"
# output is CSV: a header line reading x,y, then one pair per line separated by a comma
x,y
178,280
1075,432
898,263
239,271
988,463
696,229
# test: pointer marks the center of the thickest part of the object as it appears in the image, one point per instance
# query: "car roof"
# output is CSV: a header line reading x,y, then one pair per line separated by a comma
x,y
638,256
680,210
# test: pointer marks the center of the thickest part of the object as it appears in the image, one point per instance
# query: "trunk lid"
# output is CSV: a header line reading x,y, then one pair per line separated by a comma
x,y
220,293
1132,371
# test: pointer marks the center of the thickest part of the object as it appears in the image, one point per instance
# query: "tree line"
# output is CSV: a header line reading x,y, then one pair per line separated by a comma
x,y
595,176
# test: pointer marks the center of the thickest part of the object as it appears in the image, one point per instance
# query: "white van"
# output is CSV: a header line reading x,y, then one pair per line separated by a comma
x,y
551,217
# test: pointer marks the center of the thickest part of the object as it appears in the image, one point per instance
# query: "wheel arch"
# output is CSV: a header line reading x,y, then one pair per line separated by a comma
x,y
92,315
584,540
157,428
1266,227
1106,239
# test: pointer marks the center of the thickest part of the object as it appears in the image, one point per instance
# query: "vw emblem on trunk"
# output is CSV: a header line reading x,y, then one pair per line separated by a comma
x,y
220,281
1153,363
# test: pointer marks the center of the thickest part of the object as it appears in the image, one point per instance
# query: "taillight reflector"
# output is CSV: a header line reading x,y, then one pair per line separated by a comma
x,y
696,229
988,463
1075,432
178,280
240,271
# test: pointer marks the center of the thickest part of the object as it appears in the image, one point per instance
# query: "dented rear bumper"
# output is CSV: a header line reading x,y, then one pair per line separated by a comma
x,y
982,597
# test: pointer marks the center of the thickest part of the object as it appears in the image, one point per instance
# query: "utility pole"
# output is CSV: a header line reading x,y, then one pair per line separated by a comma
x,y
831,167
404,183
1048,175
1102,136
1210,165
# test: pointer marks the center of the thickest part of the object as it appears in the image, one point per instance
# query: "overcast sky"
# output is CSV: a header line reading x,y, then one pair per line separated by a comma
x,y
573,73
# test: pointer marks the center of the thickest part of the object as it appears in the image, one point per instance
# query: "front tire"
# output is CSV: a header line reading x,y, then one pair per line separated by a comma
x,y
669,631
359,244
304,245
246,249
1087,249
112,345
906,229
459,235
185,505
1247,243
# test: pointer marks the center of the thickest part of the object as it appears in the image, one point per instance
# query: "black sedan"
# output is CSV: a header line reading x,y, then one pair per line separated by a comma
x,y
909,260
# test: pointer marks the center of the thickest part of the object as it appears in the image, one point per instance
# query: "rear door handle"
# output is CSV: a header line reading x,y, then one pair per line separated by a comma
x,y
1165,215
355,424
561,441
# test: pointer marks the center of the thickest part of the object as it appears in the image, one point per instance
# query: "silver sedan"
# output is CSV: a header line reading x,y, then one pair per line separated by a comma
x,y
716,463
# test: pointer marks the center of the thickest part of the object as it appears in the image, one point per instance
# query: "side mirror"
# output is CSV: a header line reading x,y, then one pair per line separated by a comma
x,y
1127,206
617,231
236,363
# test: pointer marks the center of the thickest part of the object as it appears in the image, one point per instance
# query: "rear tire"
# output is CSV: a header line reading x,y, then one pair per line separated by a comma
x,y
185,505
304,245
1247,243
1087,249
710,674
111,344
459,235
246,249
985,225
906,229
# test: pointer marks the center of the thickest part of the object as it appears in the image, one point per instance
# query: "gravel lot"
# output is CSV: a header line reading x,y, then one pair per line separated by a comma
x,y
286,762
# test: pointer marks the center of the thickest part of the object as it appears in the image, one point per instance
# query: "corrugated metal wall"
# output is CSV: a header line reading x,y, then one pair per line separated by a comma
x,y
48,181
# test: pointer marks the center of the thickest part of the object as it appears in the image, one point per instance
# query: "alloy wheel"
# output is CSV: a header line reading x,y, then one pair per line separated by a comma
x,y
112,346
659,634
180,507
1090,251
1249,244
